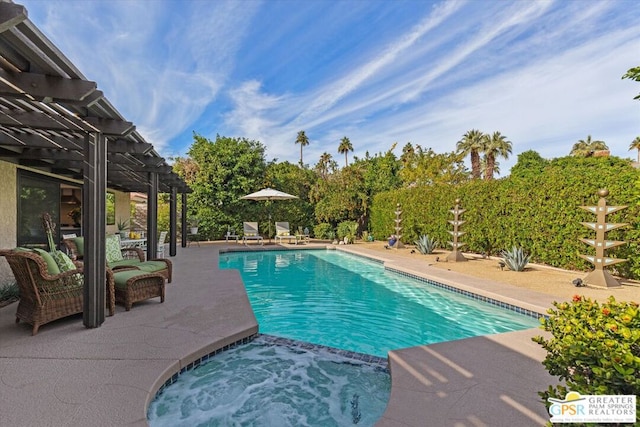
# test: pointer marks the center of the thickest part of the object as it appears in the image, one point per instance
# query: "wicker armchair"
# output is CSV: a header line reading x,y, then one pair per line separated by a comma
x,y
45,297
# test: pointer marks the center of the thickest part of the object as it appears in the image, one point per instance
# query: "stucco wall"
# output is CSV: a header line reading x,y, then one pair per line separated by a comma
x,y
8,213
123,210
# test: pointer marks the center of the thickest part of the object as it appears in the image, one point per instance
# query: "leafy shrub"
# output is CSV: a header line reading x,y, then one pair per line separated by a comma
x,y
595,347
516,259
426,244
348,229
323,231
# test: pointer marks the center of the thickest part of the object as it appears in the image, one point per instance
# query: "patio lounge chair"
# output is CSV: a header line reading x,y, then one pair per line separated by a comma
x,y
46,294
283,232
118,257
251,233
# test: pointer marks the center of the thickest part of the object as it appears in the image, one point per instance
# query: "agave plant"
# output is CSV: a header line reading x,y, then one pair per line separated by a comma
x,y
8,293
516,259
426,244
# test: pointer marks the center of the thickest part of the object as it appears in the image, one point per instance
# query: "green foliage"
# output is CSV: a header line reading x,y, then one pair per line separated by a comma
x,y
346,194
595,348
633,74
426,167
348,229
219,173
538,208
9,291
529,164
426,244
323,231
516,258
294,180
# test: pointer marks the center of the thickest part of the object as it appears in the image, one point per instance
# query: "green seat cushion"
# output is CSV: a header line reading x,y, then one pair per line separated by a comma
x,y
124,262
121,278
152,266
52,265
79,241
112,247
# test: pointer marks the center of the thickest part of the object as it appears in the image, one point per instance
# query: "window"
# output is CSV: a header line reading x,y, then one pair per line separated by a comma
x,y
111,208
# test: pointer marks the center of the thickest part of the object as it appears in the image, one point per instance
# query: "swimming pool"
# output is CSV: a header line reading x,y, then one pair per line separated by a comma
x,y
345,301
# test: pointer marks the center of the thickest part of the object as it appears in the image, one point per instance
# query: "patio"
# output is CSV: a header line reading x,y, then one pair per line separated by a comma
x,y
108,375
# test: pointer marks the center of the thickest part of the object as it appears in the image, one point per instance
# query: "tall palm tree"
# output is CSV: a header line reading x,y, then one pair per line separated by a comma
x,y
496,145
586,147
472,143
344,147
635,144
303,141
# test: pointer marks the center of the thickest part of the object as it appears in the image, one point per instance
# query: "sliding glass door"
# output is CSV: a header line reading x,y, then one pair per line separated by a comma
x,y
36,195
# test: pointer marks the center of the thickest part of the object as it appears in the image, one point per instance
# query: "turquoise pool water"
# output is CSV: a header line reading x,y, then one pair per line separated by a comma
x,y
344,301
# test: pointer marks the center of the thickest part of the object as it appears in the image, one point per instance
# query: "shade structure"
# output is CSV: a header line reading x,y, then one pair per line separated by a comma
x,y
268,194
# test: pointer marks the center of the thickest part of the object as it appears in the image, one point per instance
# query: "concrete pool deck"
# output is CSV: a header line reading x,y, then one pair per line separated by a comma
x,y
68,375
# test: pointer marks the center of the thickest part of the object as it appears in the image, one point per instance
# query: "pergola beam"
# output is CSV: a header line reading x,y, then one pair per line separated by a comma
x,y
41,87
11,15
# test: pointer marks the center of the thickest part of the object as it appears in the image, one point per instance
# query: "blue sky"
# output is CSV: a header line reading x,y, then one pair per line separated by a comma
x,y
544,73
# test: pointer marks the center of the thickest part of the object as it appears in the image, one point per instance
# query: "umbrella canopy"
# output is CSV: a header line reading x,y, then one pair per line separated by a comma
x,y
268,194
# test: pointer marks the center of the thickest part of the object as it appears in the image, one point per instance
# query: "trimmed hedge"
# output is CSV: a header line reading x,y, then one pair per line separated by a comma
x,y
539,212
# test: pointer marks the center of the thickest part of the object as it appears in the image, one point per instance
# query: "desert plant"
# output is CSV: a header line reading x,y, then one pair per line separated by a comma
x,y
426,244
348,229
516,258
322,231
9,292
595,348
122,224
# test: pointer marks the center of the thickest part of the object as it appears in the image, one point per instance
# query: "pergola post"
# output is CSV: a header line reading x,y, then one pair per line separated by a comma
x,y
183,226
173,220
94,228
152,216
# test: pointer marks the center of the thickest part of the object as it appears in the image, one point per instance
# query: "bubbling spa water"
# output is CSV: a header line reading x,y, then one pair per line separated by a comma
x,y
268,384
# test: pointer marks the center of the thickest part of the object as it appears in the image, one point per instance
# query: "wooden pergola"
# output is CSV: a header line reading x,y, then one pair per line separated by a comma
x,y
54,120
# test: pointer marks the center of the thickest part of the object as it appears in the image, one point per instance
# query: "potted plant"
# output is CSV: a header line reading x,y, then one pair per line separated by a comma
x,y
75,214
122,227
193,225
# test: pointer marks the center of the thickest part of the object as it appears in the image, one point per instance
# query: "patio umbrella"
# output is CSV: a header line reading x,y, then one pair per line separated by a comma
x,y
268,194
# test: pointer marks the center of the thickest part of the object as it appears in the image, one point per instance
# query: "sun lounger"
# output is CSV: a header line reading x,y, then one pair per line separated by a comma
x,y
251,233
283,232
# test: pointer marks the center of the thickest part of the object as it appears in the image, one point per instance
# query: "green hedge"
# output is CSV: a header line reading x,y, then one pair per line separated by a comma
x,y
539,212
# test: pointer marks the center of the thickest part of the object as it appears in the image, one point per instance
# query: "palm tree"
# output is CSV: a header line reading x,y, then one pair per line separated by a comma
x,y
472,143
303,141
635,144
496,145
586,148
344,147
324,164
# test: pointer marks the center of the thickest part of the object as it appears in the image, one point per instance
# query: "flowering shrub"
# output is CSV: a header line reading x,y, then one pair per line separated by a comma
x,y
595,347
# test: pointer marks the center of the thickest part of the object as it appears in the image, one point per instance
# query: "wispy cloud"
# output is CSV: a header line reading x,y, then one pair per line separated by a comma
x,y
545,73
